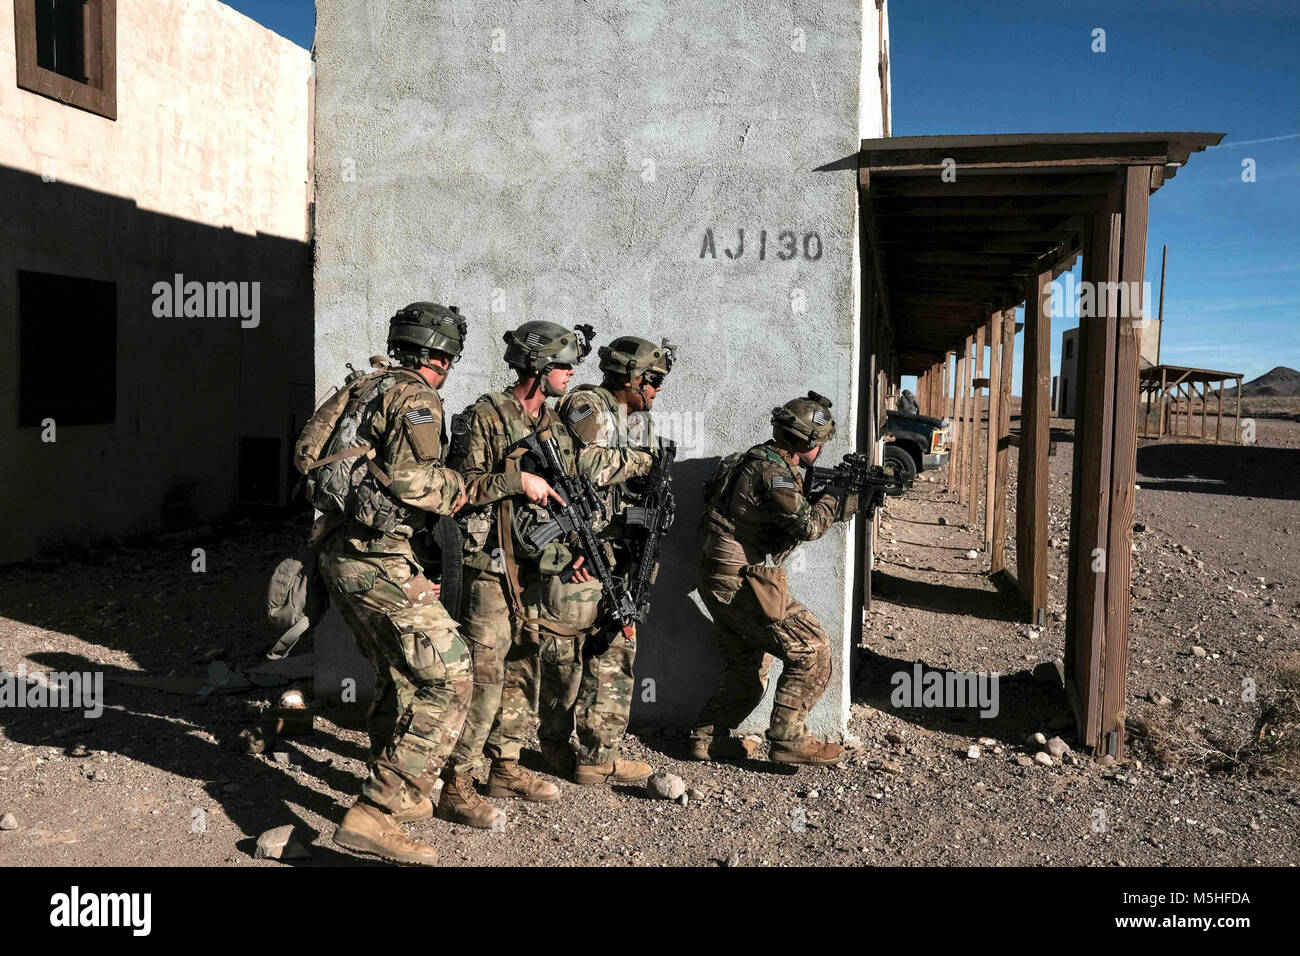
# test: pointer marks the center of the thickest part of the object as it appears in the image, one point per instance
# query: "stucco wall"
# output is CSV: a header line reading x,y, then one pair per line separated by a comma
x,y
563,161
205,173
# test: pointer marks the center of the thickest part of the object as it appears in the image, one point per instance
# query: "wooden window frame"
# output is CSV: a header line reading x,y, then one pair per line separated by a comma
x,y
99,93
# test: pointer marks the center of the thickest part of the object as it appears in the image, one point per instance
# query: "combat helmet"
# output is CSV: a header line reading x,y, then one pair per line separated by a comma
x,y
628,357
805,422
424,327
535,347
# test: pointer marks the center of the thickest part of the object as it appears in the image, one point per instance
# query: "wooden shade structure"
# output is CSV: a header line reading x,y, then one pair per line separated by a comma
x,y
959,232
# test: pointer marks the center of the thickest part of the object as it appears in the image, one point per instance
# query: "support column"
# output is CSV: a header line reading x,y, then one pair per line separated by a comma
x,y
1035,442
1101,529
991,452
973,476
997,556
958,425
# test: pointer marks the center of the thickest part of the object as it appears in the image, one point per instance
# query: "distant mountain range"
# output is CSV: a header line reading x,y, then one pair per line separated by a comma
x,y
1281,381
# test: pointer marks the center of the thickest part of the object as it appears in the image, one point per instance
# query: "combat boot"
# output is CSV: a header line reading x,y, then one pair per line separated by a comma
x,y
460,803
616,771
421,811
508,779
722,748
560,759
369,829
805,750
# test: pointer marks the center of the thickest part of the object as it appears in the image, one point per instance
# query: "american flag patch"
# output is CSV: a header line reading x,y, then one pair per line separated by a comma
x,y
420,416
581,413
533,338
820,417
782,483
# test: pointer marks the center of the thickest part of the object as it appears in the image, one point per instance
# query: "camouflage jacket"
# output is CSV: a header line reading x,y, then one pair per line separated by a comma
x,y
762,511
610,444
406,430
495,422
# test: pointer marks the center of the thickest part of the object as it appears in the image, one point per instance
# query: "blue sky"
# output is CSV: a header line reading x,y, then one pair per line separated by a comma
x,y
1232,297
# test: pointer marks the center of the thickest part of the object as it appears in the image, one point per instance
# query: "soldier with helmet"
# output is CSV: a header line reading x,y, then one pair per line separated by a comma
x,y
383,588
756,515
516,596
612,430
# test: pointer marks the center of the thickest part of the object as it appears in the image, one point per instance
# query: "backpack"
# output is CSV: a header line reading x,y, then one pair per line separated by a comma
x,y
718,486
335,459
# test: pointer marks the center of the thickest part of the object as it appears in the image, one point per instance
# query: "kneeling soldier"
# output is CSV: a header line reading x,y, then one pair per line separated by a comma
x,y
755,509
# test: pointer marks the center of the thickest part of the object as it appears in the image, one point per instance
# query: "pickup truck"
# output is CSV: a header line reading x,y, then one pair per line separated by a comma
x,y
916,443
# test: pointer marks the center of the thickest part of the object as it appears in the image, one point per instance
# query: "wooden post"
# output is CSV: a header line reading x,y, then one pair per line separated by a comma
x,y
973,477
1119,558
958,426
1237,424
1094,428
1205,406
991,453
997,556
1035,442
947,385
968,433
1218,415
1164,402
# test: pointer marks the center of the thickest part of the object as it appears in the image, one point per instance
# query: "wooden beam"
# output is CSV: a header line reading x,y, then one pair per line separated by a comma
x,y
968,427
1035,441
973,476
1119,558
997,555
1020,185
991,450
1090,498
958,424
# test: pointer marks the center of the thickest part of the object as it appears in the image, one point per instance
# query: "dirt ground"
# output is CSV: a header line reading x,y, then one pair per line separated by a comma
x,y
156,782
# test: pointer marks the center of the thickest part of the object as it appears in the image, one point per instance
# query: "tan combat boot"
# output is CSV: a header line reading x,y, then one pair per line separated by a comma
x,y
508,779
421,811
367,828
722,748
460,803
616,771
560,759
805,750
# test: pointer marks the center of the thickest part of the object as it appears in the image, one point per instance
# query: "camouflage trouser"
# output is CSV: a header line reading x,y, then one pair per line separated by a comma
x,y
422,669
595,692
748,640
487,625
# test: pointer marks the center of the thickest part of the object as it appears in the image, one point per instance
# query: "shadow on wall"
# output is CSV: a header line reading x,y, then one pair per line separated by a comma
x,y
191,413
677,661
1247,470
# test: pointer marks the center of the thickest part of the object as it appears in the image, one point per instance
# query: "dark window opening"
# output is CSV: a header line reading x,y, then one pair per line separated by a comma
x,y
67,348
1069,347
61,37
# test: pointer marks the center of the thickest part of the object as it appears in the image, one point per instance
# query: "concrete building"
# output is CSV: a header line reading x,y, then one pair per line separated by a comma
x,y
685,171
144,147
1065,386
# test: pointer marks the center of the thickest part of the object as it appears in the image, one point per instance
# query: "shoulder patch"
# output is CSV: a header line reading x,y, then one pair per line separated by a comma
x,y
781,483
421,416
584,411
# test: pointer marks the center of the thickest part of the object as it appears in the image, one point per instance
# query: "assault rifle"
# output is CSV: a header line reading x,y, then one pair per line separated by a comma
x,y
581,505
856,475
649,521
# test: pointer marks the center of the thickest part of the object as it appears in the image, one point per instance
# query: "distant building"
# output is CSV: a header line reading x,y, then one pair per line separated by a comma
x,y
155,270
1065,386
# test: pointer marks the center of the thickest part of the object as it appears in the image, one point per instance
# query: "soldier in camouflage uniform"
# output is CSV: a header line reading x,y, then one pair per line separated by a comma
x,y
756,510
611,427
516,598
422,666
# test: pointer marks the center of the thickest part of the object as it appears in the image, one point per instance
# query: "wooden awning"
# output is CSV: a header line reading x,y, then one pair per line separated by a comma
x,y
958,225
